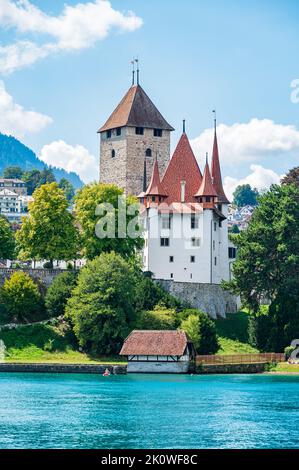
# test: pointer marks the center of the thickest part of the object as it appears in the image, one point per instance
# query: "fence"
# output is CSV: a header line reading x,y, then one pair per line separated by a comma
x,y
241,358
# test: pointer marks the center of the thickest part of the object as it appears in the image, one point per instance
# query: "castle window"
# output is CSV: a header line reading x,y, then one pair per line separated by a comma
x,y
215,226
148,153
118,131
215,261
214,245
112,153
192,259
171,275
157,132
171,258
232,252
153,198
220,223
194,221
195,242
166,222
208,199
139,130
108,134
164,241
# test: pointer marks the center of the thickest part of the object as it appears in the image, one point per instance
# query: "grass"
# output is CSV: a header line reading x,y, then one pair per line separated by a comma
x,y
47,343
233,334
285,367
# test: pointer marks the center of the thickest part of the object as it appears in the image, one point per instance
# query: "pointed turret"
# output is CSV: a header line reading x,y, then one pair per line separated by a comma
x,y
155,191
216,171
182,167
206,192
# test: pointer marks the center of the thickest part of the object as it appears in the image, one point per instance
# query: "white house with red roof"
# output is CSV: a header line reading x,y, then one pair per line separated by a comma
x,y
185,219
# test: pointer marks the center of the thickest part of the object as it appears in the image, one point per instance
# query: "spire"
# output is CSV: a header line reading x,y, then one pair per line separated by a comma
x,y
184,126
182,166
155,187
206,188
216,171
137,62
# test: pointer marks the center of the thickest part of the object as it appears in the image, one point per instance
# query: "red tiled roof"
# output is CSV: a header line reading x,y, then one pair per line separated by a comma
x,y
155,342
155,187
183,166
136,109
206,188
216,172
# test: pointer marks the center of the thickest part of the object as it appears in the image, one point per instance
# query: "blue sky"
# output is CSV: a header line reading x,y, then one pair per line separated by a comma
x,y
195,55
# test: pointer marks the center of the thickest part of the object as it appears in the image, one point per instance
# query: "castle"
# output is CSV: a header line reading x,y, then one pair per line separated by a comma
x,y
184,211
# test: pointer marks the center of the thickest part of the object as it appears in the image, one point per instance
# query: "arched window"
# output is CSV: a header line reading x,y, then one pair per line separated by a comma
x,y
148,153
113,153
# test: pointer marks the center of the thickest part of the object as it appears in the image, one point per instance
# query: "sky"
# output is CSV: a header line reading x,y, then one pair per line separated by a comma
x,y
65,65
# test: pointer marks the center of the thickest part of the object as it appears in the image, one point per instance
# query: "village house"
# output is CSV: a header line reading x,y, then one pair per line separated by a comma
x,y
15,185
159,351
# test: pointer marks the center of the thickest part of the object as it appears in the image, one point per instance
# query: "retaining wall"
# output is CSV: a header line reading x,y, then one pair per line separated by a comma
x,y
209,298
63,368
45,276
231,368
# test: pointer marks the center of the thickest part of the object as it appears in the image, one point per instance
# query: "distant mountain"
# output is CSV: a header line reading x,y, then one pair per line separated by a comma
x,y
14,153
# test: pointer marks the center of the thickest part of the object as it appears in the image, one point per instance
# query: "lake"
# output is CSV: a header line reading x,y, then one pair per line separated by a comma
x,y
148,411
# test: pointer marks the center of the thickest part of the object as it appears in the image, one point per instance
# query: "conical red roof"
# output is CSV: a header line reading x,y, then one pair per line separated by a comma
x,y
216,172
206,188
183,166
155,188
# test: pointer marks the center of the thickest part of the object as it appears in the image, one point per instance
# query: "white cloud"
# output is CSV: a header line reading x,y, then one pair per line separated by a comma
x,y
77,27
17,121
250,142
260,178
71,158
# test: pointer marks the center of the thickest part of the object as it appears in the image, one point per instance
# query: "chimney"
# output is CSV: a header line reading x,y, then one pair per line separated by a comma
x,y
183,187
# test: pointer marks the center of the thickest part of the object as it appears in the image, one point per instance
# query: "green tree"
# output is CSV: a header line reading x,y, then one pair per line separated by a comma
x,y
201,330
59,292
235,229
21,297
68,188
244,195
7,240
101,305
49,232
292,177
267,266
32,180
93,198
13,172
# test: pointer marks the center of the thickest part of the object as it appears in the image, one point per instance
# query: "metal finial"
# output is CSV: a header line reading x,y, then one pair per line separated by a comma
x,y
137,62
215,118
133,71
207,158
184,126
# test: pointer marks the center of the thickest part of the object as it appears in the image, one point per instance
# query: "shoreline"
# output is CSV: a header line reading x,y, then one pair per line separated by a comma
x,y
114,369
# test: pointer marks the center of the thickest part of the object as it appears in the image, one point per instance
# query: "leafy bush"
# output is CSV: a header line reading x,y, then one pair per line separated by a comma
x,y
101,305
21,297
201,330
160,318
59,292
148,294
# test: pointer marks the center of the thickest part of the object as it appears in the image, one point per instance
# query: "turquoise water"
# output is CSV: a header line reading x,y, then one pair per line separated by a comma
x,y
148,411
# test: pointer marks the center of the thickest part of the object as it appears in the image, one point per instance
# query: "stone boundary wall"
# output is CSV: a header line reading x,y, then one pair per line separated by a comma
x,y
257,368
45,276
209,298
63,368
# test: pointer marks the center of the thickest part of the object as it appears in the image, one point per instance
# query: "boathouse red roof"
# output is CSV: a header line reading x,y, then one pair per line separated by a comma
x,y
155,342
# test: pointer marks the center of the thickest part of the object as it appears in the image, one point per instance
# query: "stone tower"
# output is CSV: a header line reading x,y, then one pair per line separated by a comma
x,y
135,133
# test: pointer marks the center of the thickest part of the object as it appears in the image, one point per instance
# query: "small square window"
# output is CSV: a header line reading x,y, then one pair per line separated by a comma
x,y
192,259
118,131
157,132
194,221
166,222
108,134
195,242
164,241
139,130
171,259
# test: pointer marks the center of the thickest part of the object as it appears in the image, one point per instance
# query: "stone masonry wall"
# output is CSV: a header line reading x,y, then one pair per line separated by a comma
x,y
45,276
209,298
